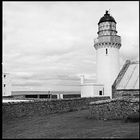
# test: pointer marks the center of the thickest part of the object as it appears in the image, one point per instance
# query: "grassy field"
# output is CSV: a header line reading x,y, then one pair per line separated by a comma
x,y
68,125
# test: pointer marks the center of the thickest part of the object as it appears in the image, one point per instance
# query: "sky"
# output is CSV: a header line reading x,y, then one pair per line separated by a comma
x,y
48,45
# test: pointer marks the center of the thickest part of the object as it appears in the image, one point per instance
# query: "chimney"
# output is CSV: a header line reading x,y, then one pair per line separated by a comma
x,y
82,79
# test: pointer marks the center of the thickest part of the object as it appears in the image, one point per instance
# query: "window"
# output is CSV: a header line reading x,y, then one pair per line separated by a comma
x,y
4,75
72,96
4,85
44,96
100,92
30,96
106,51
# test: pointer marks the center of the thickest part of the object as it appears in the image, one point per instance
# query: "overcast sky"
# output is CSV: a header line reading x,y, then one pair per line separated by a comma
x,y
47,45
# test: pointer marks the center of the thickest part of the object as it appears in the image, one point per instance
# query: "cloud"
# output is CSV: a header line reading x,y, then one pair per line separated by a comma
x,y
52,42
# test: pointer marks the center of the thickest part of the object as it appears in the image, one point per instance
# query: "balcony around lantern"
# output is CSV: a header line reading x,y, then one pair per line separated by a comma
x,y
108,38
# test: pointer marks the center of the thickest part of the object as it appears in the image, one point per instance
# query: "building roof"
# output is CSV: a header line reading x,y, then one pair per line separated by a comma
x,y
106,17
128,77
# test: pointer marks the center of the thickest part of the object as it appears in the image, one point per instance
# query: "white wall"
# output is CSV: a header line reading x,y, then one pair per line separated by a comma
x,y
6,90
107,67
98,88
59,96
91,90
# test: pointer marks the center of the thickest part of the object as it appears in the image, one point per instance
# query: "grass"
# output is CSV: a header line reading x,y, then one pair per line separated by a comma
x,y
68,125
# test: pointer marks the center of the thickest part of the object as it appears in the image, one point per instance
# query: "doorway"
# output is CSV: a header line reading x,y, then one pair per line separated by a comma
x,y
100,92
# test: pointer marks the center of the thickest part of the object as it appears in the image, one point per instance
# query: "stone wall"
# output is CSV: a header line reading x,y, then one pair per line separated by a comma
x,y
126,93
45,107
119,108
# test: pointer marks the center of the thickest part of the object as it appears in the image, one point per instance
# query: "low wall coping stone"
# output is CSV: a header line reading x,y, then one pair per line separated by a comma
x,y
49,100
132,100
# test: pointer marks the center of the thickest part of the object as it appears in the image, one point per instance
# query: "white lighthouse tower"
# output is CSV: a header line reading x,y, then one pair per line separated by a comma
x,y
107,46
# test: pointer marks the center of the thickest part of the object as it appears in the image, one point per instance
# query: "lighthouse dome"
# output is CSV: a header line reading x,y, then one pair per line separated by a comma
x,y
106,17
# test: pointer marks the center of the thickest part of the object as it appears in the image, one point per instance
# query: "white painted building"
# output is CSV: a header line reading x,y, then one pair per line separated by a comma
x,y
107,46
92,90
6,84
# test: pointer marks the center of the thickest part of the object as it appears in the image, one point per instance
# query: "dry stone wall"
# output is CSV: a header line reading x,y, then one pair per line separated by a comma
x,y
45,107
126,93
119,108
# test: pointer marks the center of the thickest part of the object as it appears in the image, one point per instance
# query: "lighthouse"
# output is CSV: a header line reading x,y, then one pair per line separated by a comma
x,y
107,46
